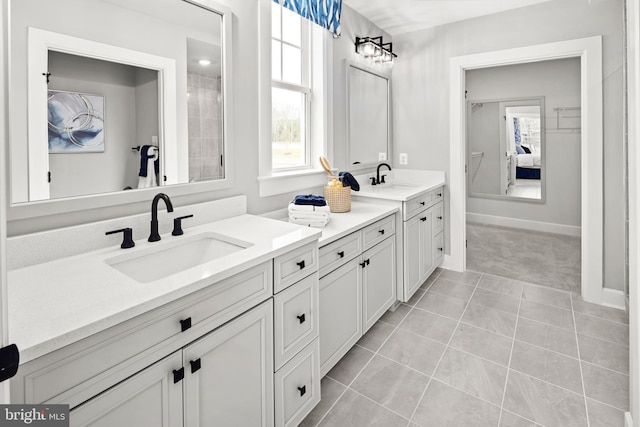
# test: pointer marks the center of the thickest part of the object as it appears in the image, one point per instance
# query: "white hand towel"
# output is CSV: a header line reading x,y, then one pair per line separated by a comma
x,y
307,208
309,215
310,223
150,179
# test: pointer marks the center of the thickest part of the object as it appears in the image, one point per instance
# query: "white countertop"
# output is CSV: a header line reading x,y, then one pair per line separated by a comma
x,y
56,303
401,184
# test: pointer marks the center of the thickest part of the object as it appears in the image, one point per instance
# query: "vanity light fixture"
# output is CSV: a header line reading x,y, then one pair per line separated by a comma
x,y
375,49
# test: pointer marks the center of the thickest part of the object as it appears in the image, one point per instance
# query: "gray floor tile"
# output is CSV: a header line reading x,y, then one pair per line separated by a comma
x,y
394,386
430,280
547,314
478,377
415,298
444,306
485,344
547,336
602,329
606,386
412,350
503,285
397,316
453,289
607,313
507,419
350,365
490,319
467,277
544,403
354,410
376,335
601,415
604,353
444,406
330,392
496,300
547,365
546,295
429,325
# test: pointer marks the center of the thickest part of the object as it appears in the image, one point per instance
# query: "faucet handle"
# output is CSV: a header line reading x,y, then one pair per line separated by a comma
x,y
373,180
127,241
382,179
177,225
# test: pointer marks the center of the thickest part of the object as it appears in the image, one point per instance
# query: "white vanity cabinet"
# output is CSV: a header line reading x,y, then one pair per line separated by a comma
x,y
242,351
357,286
422,239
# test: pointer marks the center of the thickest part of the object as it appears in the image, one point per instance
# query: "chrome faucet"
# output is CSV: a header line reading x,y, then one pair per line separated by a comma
x,y
378,181
154,236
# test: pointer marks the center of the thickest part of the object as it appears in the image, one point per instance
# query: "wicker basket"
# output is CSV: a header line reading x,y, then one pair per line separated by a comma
x,y
338,198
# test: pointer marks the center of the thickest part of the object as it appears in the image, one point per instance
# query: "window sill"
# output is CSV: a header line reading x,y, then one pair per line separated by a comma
x,y
286,182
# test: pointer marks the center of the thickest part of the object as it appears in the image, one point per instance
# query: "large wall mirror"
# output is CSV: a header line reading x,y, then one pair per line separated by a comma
x,y
111,98
506,147
368,115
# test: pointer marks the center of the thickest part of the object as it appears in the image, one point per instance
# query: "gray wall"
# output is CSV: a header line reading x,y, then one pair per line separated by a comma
x,y
485,139
559,82
421,90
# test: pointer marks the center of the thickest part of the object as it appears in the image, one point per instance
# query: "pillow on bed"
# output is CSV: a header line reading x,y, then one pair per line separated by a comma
x,y
519,150
526,149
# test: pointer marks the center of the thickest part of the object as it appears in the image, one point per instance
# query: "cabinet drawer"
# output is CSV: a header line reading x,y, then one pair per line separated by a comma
x,y
419,203
438,217
378,231
438,249
294,265
81,370
339,252
296,318
297,387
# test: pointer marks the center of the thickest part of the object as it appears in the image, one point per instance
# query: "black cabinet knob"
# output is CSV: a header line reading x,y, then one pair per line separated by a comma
x,y
439,217
300,264
441,249
178,375
421,203
301,318
363,264
439,194
424,218
195,365
381,231
185,324
302,390
341,254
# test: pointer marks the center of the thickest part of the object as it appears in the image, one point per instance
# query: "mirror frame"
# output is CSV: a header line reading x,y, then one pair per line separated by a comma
x,y
385,74
543,150
43,208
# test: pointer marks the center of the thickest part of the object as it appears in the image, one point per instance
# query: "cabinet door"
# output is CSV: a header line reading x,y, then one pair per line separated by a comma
x,y
378,281
340,309
229,373
426,244
411,259
149,398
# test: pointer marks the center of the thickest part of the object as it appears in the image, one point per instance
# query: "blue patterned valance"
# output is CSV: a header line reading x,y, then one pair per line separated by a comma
x,y
325,13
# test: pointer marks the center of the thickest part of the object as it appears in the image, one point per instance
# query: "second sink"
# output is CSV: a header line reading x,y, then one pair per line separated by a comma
x,y
162,260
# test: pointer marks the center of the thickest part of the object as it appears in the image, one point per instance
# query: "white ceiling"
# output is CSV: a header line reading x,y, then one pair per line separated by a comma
x,y
402,16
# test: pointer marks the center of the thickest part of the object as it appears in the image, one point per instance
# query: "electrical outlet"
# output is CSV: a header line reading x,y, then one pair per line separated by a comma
x,y
404,159
382,156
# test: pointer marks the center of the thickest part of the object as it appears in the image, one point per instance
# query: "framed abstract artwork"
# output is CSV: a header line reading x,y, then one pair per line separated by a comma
x,y
75,122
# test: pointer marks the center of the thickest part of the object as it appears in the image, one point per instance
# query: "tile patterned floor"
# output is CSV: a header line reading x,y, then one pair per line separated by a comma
x,y
473,349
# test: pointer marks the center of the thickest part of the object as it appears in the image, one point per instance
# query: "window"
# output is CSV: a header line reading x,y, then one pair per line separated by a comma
x,y
290,90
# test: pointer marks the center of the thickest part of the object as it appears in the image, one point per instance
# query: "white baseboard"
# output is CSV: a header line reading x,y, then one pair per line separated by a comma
x,y
547,227
613,298
628,422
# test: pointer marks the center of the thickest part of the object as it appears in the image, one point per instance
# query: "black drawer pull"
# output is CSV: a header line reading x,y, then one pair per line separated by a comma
x,y
341,254
441,249
381,231
300,264
421,203
195,365
439,194
301,318
424,218
363,264
178,375
439,217
302,390
185,324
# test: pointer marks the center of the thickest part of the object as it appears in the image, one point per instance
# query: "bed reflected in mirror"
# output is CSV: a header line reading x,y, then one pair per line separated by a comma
x,y
505,148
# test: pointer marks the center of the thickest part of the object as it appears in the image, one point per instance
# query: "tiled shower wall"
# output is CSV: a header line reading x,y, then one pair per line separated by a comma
x,y
205,127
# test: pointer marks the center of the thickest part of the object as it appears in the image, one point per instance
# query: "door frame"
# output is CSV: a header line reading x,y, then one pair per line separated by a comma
x,y
589,50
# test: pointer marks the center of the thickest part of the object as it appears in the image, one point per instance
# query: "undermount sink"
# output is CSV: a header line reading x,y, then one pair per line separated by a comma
x,y
165,259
